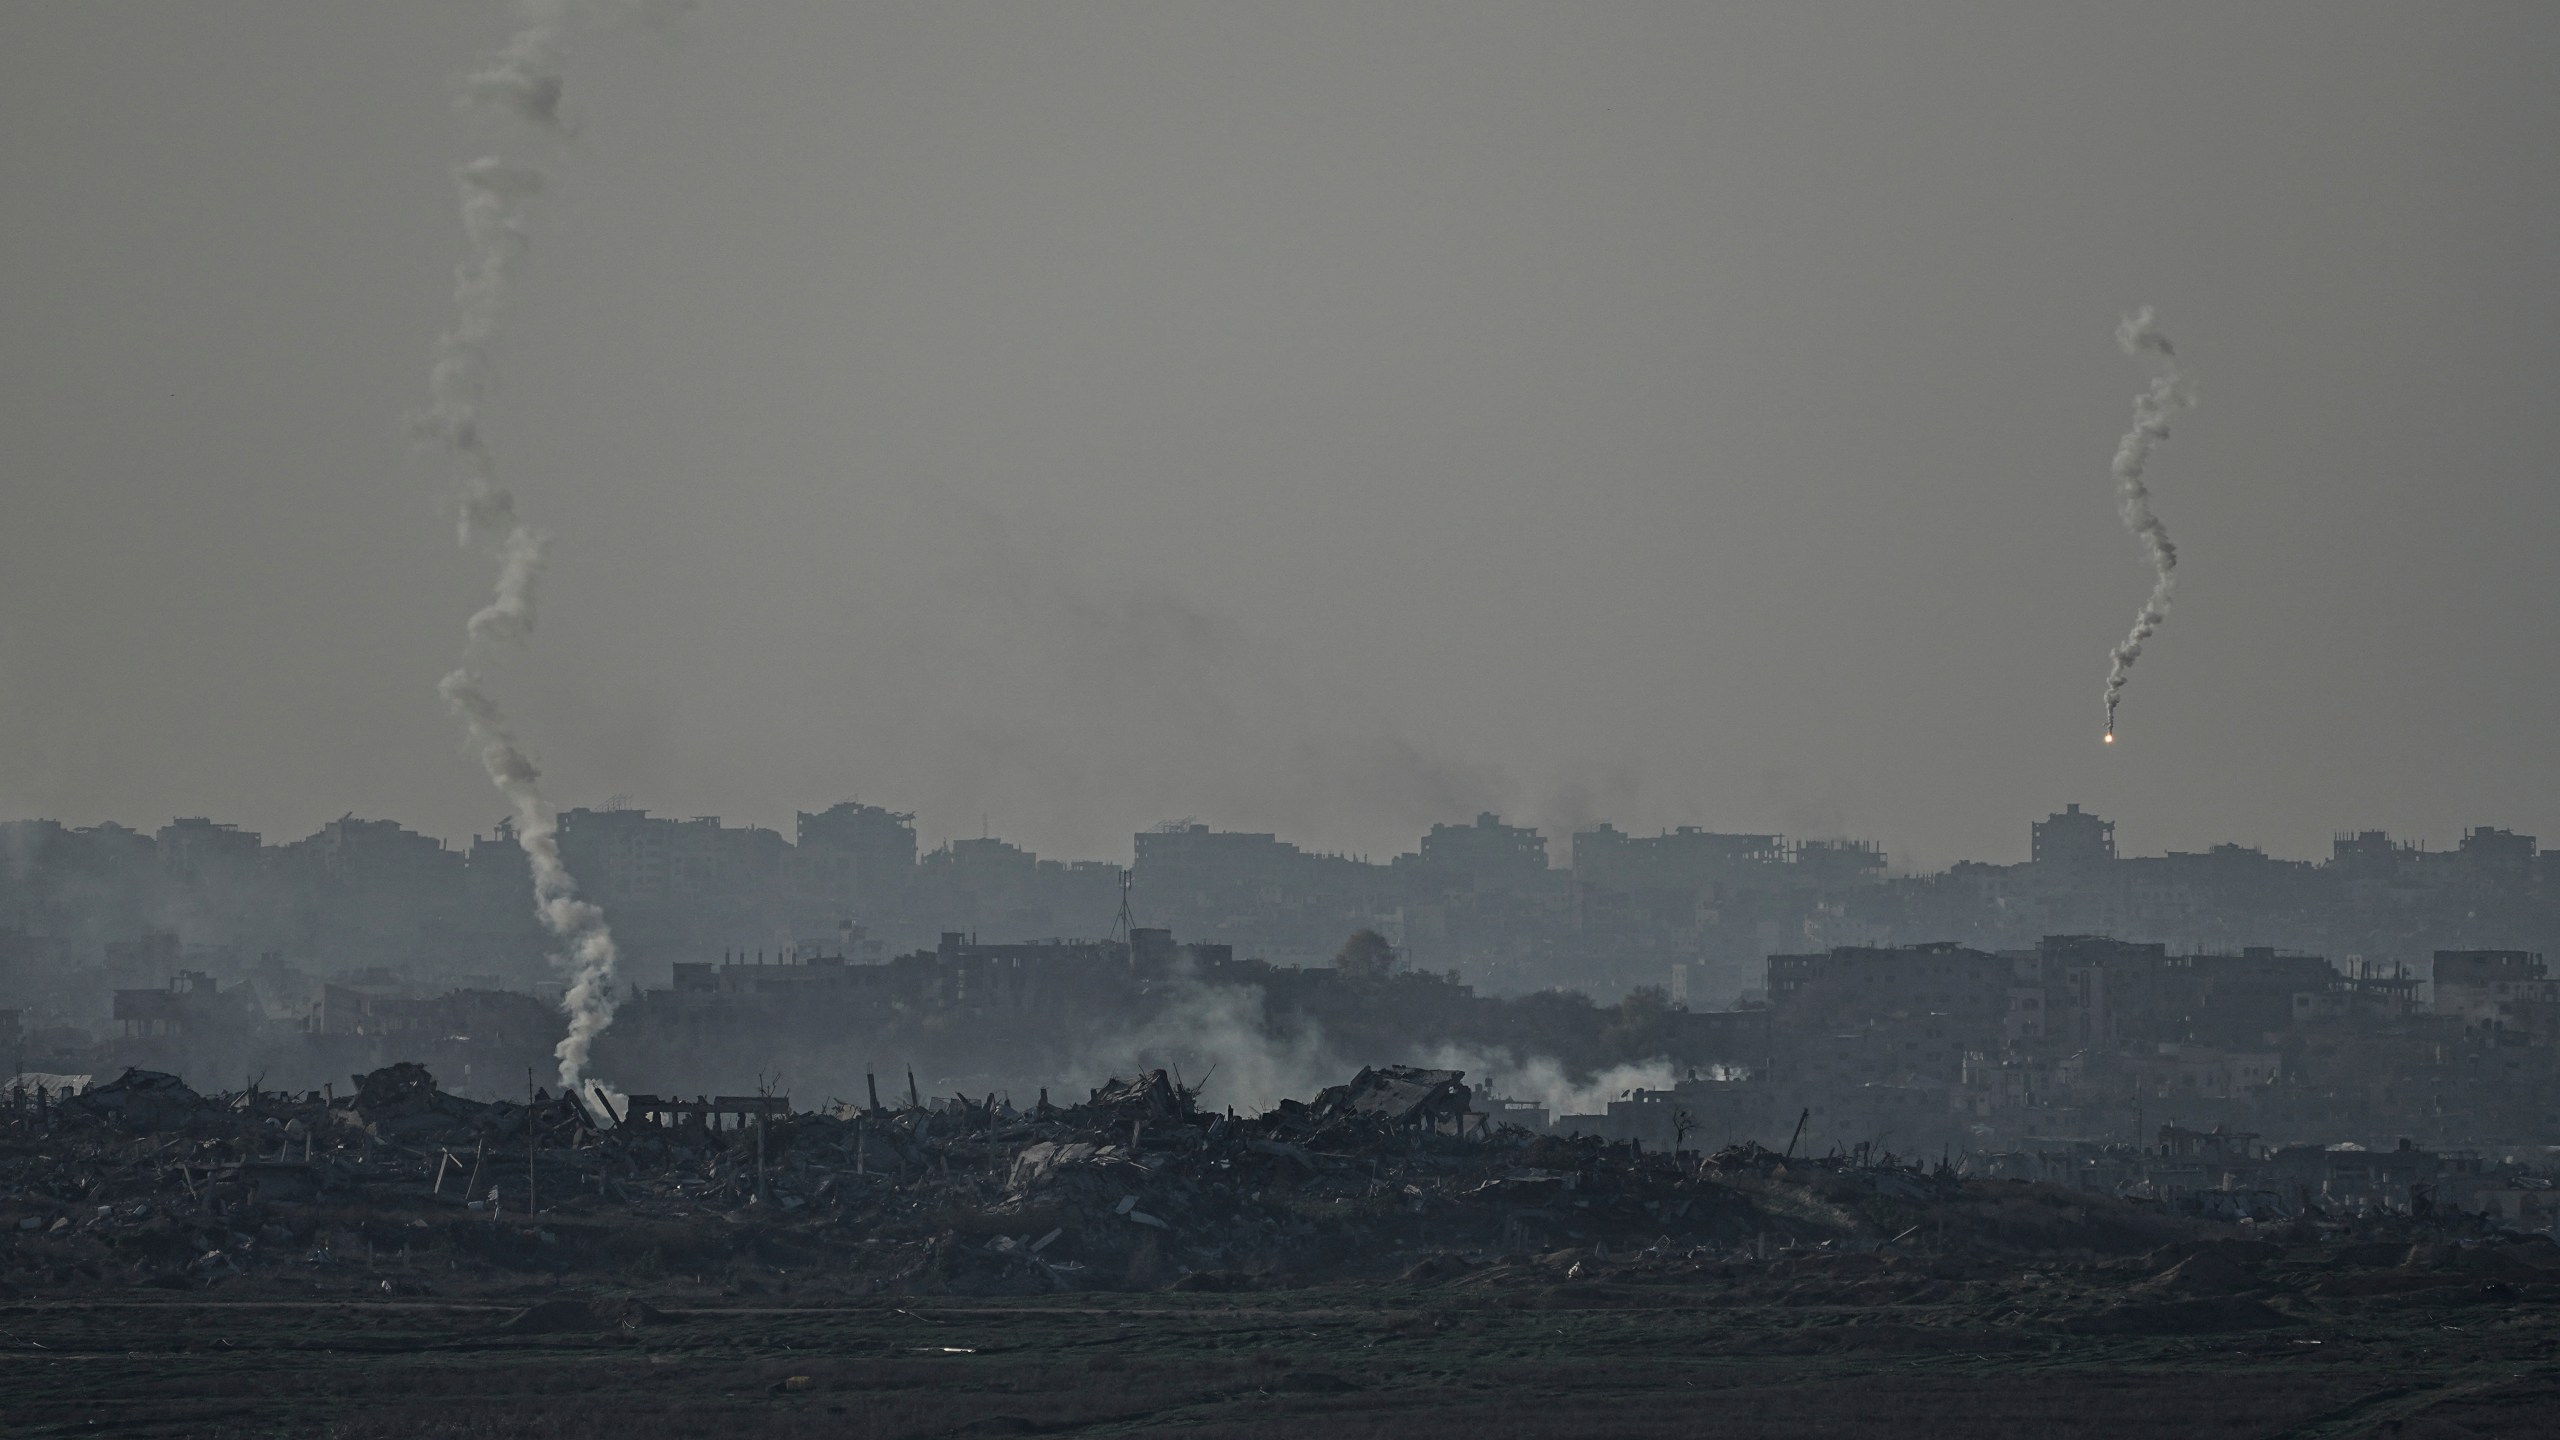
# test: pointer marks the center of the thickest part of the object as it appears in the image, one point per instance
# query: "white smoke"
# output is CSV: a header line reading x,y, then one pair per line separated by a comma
x,y
522,82
587,951
1546,1080
1219,1037
2167,394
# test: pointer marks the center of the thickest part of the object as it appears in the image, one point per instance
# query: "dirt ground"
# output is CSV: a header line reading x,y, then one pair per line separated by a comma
x,y
1479,1355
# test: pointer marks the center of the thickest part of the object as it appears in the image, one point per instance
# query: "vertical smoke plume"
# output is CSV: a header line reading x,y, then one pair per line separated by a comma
x,y
587,950
2167,394
524,82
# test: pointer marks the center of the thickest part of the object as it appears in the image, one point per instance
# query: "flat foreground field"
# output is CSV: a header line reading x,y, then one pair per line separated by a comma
x,y
1404,1361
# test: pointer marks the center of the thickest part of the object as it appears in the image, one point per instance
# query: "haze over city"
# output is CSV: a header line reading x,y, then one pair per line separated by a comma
x,y
1419,718
1333,421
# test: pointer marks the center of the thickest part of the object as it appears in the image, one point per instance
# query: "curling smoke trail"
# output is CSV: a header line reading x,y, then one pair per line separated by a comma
x,y
2167,394
522,81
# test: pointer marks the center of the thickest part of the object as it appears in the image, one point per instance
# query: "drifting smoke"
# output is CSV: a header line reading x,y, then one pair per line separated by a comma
x,y
522,82
1547,1081
524,79
1219,1038
2167,394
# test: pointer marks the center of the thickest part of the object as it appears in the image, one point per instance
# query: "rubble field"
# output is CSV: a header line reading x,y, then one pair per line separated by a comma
x,y
395,1260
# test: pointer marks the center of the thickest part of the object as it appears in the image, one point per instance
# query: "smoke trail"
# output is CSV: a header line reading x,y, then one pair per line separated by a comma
x,y
523,81
2167,394
524,78
587,942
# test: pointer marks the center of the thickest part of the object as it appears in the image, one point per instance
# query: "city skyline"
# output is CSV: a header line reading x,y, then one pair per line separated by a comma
x,y
930,838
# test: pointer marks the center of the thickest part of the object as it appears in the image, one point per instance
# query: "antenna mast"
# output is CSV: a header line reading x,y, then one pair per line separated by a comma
x,y
1121,926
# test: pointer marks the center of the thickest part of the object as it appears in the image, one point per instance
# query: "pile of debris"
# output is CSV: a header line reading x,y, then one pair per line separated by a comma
x,y
399,1186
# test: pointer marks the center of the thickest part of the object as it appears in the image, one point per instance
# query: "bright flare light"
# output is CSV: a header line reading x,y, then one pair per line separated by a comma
x,y
2111,737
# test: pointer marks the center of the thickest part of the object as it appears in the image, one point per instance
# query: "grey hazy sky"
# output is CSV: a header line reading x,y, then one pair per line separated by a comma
x,y
1318,417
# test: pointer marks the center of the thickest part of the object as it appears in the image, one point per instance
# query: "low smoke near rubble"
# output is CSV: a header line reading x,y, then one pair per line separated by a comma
x,y
1550,1084
1223,1041
1219,1040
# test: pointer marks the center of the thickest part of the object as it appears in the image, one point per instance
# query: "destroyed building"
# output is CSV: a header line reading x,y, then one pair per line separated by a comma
x,y
396,1185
